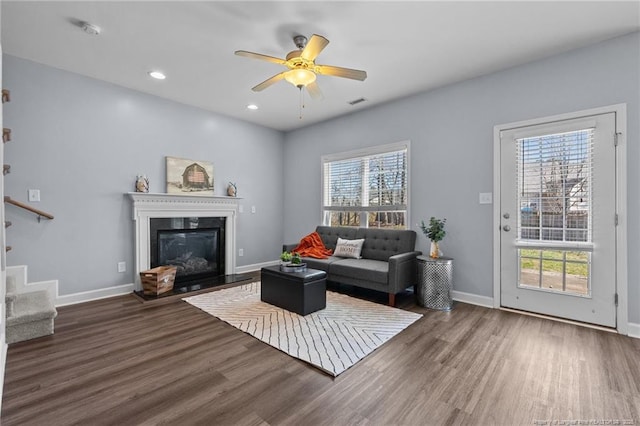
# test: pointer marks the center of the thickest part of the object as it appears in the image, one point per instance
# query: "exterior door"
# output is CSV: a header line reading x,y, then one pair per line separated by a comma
x,y
558,219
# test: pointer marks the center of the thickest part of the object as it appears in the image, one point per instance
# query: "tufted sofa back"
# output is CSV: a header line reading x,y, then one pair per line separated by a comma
x,y
330,234
380,244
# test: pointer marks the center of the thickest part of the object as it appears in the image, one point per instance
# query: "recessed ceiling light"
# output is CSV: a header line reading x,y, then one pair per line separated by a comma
x,y
157,75
90,28
252,106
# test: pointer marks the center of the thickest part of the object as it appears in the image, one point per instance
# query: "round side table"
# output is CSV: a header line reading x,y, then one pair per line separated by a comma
x,y
435,282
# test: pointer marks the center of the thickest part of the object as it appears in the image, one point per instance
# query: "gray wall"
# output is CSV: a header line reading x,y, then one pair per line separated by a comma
x,y
82,142
451,133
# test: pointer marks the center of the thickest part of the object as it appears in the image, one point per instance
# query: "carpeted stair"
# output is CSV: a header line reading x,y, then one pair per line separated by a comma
x,y
29,315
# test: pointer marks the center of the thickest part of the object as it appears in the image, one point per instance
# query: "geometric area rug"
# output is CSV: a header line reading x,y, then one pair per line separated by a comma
x,y
332,339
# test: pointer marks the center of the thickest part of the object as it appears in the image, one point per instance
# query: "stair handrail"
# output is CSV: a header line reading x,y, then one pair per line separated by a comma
x,y
16,203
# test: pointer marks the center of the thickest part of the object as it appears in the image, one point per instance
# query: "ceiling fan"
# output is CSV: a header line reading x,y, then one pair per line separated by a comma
x,y
302,66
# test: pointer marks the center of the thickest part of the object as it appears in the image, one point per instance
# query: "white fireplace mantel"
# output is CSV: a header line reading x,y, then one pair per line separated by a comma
x,y
148,205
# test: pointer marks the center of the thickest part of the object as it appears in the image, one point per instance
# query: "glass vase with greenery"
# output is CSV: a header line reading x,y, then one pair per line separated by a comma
x,y
435,232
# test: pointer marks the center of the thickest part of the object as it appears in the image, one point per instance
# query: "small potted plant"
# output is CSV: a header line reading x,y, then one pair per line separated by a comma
x,y
291,262
285,257
435,232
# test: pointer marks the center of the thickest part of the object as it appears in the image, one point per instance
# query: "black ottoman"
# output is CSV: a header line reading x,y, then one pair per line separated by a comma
x,y
300,292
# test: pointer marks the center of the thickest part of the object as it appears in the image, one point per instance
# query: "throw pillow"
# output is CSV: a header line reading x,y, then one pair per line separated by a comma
x,y
348,248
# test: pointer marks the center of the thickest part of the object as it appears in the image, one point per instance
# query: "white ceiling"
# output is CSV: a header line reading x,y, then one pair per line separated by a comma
x,y
405,47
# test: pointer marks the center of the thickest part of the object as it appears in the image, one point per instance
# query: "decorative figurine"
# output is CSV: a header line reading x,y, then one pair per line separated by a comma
x,y
142,183
232,190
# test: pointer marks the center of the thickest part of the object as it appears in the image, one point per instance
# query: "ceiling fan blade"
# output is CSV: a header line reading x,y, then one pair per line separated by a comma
x,y
314,90
268,82
260,56
341,72
314,47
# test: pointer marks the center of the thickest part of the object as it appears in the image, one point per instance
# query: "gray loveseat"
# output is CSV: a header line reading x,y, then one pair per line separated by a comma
x,y
388,262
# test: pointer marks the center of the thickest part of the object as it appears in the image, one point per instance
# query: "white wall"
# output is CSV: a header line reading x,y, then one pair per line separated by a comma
x,y
82,142
451,133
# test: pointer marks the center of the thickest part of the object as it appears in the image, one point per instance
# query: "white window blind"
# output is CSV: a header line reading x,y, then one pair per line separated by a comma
x,y
367,189
554,186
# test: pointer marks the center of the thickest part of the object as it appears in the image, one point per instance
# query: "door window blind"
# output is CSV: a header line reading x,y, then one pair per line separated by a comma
x,y
554,186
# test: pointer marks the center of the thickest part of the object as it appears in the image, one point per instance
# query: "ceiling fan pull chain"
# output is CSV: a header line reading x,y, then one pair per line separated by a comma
x,y
301,100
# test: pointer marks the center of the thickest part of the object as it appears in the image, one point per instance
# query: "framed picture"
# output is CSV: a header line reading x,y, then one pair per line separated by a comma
x,y
189,177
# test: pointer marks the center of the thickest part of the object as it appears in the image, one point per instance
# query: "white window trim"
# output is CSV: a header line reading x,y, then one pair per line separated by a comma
x,y
373,150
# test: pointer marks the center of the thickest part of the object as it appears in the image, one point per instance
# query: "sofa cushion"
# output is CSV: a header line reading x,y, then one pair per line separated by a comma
x,y
348,248
321,264
361,269
381,244
330,234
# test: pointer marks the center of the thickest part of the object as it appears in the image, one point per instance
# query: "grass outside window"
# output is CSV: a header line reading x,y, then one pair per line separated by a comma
x,y
577,262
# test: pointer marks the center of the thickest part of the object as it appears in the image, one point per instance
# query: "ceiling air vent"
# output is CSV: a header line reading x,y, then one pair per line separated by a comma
x,y
356,101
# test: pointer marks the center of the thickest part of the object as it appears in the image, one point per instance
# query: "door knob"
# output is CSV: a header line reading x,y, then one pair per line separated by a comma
x,y
507,228
506,216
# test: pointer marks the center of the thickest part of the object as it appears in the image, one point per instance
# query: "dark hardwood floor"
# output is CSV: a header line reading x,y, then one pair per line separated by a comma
x,y
122,362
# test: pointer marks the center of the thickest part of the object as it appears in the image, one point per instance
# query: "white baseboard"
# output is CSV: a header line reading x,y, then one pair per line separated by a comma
x,y
487,302
103,293
22,286
87,296
634,330
20,272
459,296
255,267
472,299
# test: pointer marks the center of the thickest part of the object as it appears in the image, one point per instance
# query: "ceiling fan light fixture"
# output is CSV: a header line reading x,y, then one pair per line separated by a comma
x,y
300,77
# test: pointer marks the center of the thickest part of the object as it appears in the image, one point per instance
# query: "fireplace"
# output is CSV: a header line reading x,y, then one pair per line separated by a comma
x,y
194,245
194,233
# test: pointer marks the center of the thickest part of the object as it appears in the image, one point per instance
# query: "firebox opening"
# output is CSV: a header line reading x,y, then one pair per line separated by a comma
x,y
194,245
192,252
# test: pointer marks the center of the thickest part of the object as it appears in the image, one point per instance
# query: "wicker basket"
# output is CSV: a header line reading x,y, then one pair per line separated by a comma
x,y
158,280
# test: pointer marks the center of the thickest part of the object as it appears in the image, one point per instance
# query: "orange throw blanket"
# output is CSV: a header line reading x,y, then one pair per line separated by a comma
x,y
312,246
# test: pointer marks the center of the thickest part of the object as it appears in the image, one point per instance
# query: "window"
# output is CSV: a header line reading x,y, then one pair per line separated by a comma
x,y
367,188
